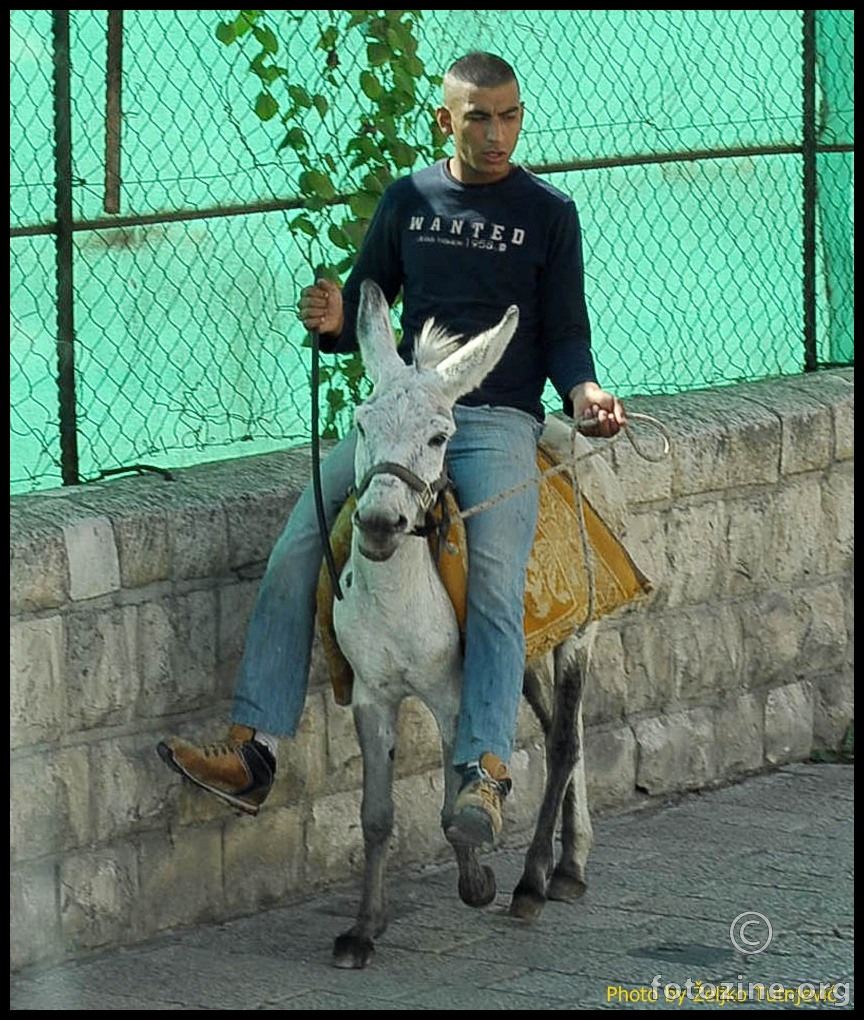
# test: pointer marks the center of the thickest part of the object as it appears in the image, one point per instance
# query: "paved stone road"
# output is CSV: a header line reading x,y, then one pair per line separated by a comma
x,y
666,885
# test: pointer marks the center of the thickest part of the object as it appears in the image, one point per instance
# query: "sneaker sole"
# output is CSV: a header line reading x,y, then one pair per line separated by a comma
x,y
167,755
471,827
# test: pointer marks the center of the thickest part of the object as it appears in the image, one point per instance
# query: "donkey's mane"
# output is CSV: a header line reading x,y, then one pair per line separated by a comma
x,y
433,344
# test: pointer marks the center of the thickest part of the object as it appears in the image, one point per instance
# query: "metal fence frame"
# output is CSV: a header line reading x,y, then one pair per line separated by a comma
x,y
65,224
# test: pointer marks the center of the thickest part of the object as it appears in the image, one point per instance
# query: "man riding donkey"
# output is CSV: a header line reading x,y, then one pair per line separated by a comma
x,y
462,240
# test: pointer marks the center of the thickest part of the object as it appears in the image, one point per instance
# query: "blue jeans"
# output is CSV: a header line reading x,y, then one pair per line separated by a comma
x,y
492,450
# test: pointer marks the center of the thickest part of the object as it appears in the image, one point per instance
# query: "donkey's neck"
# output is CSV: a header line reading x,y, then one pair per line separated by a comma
x,y
397,627
408,574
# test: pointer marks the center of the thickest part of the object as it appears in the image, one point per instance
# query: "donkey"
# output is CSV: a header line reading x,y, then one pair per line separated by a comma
x,y
396,624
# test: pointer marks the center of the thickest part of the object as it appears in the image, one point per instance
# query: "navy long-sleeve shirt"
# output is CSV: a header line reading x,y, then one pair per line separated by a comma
x,y
461,254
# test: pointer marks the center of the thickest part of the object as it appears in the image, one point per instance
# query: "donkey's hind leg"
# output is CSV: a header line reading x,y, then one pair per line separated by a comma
x,y
561,730
376,731
568,881
577,835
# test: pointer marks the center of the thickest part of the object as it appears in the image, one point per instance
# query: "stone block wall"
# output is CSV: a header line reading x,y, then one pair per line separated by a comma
x,y
129,601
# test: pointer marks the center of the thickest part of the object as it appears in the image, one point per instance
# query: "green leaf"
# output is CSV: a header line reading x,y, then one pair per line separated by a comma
x,y
245,20
300,96
363,205
382,177
336,399
268,73
387,127
372,87
329,38
321,105
404,155
225,33
266,106
370,149
394,38
338,237
355,231
345,265
439,139
357,18
294,139
409,46
376,27
316,184
304,225
405,83
377,54
413,65
269,42
373,184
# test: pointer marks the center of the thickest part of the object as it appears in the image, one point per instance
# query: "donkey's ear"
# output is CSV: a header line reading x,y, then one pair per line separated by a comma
x,y
464,370
375,334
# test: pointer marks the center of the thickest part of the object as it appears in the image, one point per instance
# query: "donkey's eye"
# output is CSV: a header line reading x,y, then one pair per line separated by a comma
x,y
439,439
359,426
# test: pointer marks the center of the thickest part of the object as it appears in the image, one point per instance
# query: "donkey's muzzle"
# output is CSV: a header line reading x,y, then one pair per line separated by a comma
x,y
379,534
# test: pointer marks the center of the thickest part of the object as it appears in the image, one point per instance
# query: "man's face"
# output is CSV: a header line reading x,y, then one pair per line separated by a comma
x,y
485,125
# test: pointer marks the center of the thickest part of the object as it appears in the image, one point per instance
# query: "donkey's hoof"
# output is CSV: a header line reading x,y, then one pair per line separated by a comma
x,y
478,888
352,952
566,887
527,904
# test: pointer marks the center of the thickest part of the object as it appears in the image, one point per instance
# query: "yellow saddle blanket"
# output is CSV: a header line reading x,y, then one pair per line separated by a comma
x,y
557,585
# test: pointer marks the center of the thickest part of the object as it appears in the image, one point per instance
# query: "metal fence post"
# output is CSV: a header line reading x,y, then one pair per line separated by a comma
x,y
808,153
63,212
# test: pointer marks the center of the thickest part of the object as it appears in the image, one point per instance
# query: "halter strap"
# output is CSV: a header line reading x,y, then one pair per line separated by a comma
x,y
428,490
430,493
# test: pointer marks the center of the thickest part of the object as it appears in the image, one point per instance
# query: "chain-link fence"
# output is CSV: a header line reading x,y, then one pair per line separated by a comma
x,y
156,260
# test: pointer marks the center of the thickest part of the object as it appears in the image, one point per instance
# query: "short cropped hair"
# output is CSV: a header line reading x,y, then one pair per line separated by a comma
x,y
484,70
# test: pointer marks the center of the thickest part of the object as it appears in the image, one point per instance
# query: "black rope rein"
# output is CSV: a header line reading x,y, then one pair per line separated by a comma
x,y
316,461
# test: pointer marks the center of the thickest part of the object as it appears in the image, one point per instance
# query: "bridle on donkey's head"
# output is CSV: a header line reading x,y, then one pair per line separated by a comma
x,y
431,494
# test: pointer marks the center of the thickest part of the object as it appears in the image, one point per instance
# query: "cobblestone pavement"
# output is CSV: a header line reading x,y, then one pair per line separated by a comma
x,y
672,889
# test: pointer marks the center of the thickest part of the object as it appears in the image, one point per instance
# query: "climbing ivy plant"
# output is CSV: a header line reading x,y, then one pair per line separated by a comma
x,y
368,62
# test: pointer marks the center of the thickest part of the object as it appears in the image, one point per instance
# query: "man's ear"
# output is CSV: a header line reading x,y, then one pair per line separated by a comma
x,y
444,120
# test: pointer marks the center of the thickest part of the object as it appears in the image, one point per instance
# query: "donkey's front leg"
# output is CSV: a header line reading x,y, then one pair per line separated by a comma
x,y
376,731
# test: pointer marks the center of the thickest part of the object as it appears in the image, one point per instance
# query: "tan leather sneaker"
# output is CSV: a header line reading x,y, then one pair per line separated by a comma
x,y
238,770
478,814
